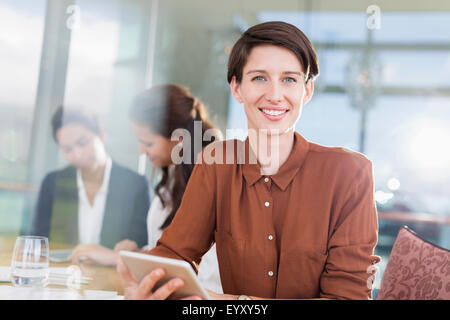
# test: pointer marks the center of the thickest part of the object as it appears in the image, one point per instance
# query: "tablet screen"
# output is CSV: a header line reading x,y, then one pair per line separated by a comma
x,y
141,264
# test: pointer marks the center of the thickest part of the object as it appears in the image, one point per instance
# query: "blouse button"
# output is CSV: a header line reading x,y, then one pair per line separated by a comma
x,y
266,179
270,273
270,237
266,203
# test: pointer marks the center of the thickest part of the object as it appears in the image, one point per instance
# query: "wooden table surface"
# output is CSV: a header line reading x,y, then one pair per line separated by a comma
x,y
103,278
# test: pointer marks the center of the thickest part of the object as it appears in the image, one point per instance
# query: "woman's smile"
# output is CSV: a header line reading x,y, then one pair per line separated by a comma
x,y
274,113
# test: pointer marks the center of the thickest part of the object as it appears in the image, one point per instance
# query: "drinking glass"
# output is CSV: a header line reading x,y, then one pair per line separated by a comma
x,y
29,263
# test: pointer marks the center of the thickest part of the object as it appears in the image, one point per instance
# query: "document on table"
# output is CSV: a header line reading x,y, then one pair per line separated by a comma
x,y
5,274
27,293
57,276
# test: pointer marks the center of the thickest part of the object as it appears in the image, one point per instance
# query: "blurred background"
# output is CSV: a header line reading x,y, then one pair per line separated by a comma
x,y
384,88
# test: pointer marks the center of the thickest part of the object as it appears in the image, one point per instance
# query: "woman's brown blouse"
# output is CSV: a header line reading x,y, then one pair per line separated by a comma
x,y
309,231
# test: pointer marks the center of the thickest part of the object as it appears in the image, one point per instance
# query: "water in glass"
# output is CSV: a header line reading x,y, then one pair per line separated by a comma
x,y
29,264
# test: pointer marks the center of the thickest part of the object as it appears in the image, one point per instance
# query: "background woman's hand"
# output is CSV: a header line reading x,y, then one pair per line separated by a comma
x,y
133,290
94,253
126,245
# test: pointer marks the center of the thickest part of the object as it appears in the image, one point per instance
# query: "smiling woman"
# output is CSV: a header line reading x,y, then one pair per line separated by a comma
x,y
302,225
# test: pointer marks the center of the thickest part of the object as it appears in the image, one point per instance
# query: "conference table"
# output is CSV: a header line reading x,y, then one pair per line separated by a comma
x,y
102,278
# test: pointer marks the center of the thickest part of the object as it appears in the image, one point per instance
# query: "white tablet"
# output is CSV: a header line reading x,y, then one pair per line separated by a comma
x,y
141,264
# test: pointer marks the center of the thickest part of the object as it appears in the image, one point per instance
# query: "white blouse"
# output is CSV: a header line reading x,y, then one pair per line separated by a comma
x,y
208,272
90,218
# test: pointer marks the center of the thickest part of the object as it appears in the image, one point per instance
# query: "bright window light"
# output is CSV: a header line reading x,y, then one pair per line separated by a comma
x,y
393,184
383,197
428,148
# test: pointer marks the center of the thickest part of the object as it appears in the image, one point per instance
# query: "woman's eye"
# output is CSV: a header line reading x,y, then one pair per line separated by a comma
x,y
82,143
290,80
259,78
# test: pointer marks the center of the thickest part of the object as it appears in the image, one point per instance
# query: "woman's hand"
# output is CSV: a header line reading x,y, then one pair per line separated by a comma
x,y
217,296
144,290
94,253
126,245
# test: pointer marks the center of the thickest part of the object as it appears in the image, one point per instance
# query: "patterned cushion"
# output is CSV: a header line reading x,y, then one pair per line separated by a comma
x,y
416,270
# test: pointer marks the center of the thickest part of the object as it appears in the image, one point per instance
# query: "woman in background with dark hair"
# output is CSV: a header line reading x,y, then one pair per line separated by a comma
x,y
155,115
94,201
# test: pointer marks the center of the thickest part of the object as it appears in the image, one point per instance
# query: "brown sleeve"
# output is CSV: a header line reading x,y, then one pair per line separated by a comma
x,y
351,245
191,233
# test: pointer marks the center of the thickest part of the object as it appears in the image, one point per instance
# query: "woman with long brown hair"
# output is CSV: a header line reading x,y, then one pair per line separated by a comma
x,y
156,114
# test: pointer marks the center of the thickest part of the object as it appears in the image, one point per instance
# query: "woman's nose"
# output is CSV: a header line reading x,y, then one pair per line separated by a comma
x,y
274,93
76,153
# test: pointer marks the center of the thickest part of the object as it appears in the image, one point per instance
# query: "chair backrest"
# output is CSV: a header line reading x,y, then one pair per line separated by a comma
x,y
416,270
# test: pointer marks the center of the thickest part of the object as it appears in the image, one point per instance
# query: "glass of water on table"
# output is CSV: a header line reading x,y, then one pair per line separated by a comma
x,y
30,262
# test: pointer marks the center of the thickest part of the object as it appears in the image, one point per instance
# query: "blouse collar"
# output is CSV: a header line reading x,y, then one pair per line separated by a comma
x,y
289,169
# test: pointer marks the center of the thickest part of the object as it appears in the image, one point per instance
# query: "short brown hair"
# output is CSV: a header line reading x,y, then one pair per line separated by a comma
x,y
276,33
